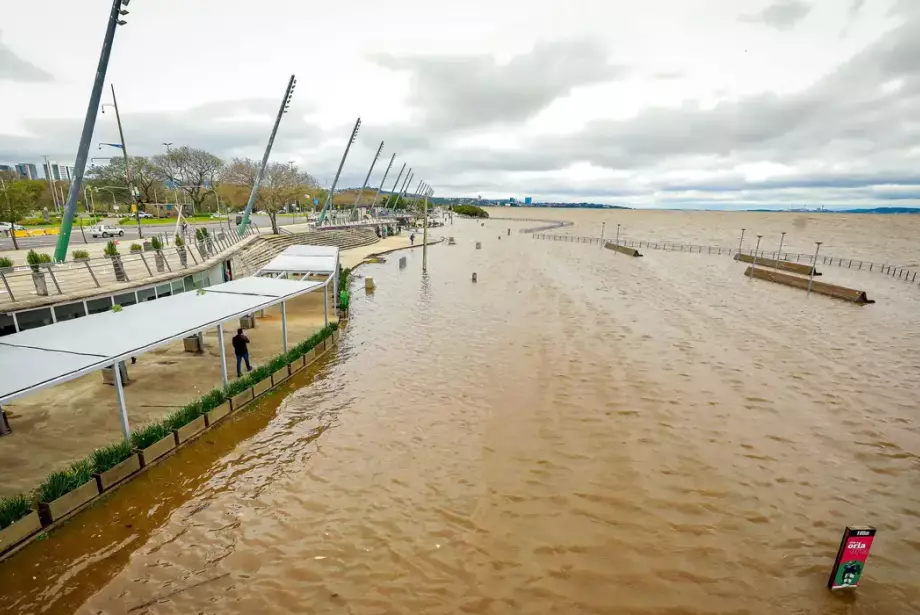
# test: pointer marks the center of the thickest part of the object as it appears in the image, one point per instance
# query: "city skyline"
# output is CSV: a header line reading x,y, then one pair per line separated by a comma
x,y
728,103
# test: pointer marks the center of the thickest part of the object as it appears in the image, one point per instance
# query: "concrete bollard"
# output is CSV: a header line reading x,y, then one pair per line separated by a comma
x,y
369,284
402,262
509,231
474,277
478,245
499,237
451,241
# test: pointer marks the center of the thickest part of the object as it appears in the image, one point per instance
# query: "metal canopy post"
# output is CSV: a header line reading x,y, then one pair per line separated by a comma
x,y
223,356
120,394
326,303
284,338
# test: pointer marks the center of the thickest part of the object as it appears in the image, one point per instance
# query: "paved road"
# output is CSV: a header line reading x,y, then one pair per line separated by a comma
x,y
76,238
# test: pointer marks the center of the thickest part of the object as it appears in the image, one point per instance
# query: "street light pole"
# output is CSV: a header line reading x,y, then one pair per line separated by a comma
x,y
754,262
741,241
367,179
124,152
285,104
330,198
779,254
89,125
385,173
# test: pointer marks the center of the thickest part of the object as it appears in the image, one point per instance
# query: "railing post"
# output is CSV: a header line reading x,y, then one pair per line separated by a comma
x,y
91,273
141,254
54,279
5,283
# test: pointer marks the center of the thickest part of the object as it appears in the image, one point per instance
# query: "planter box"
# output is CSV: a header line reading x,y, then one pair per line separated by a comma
x,y
108,374
188,431
52,511
311,356
19,531
262,386
156,450
296,366
241,399
218,413
115,475
192,343
280,376
336,334
248,322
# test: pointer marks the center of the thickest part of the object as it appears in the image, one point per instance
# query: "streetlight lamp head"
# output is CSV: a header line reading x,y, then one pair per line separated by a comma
x,y
122,12
125,2
122,22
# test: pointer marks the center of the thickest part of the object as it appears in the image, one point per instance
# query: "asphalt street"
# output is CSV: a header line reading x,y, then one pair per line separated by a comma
x,y
77,238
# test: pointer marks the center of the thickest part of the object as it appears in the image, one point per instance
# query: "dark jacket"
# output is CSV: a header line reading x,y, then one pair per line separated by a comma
x,y
239,344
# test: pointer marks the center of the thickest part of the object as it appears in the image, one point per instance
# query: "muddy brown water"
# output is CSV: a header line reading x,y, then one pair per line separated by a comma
x,y
578,432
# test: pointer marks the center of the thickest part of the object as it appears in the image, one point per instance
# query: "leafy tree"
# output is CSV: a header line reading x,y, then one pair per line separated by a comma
x,y
17,200
144,176
283,184
195,171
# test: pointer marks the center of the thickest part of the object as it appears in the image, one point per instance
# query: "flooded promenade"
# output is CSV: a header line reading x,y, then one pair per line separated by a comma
x,y
579,432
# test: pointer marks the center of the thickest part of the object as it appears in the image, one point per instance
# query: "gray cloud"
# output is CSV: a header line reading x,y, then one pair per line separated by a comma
x,y
781,14
14,68
463,92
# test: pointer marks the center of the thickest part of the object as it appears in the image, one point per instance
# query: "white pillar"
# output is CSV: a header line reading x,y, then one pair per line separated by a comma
x,y
326,303
335,280
284,326
223,356
120,394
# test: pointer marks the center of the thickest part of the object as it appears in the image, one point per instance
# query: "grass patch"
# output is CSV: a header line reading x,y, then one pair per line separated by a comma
x,y
13,508
151,434
63,482
107,457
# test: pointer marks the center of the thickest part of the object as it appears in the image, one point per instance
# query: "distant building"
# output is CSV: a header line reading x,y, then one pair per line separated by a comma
x,y
528,200
28,170
5,168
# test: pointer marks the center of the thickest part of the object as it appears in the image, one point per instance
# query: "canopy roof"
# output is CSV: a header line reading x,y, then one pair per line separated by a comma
x,y
304,260
37,358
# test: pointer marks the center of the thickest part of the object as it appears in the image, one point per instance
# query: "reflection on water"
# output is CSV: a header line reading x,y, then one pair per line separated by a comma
x,y
578,432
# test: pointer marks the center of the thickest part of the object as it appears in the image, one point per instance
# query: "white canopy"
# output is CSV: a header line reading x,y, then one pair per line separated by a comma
x,y
303,260
49,355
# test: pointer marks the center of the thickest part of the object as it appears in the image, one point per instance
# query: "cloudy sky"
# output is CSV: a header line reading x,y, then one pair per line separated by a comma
x,y
658,103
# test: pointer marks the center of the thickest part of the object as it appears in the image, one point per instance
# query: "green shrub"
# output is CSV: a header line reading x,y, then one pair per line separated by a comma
x,y
470,210
78,254
36,258
151,434
5,262
198,234
126,220
63,482
179,241
13,508
156,244
136,247
108,457
111,249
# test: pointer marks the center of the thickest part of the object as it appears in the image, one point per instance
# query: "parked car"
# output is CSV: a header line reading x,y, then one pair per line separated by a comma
x,y
104,230
5,227
144,214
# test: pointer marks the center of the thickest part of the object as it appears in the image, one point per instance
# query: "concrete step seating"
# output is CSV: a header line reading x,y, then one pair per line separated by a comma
x,y
259,252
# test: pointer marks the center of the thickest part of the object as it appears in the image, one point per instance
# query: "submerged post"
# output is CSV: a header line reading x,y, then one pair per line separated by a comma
x,y
779,255
223,355
754,262
284,339
425,237
603,224
120,394
741,242
814,266
618,235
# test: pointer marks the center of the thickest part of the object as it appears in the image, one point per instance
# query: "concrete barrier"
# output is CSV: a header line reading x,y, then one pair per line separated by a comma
x,y
775,264
622,249
822,288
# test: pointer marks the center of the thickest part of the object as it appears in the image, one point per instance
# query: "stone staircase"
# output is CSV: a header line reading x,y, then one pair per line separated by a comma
x,y
256,254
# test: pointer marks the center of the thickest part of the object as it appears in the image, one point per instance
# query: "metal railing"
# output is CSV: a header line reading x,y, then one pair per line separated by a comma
x,y
25,282
895,271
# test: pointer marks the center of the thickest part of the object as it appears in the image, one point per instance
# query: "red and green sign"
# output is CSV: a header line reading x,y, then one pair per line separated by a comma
x,y
851,557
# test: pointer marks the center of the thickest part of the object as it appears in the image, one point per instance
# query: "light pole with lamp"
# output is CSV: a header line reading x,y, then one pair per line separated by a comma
x,y
814,265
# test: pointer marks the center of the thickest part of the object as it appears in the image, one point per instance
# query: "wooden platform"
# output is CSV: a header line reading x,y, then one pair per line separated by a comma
x,y
821,288
623,249
775,264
